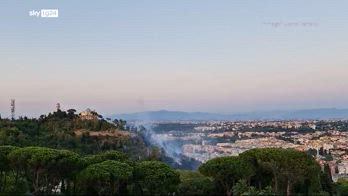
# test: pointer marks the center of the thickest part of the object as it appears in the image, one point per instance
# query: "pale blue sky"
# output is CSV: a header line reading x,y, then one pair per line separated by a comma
x,y
197,55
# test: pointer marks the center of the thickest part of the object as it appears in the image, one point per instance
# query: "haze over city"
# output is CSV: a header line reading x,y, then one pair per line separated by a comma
x,y
129,56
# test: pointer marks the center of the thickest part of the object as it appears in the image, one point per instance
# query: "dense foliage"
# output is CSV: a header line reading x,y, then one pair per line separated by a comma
x,y
156,178
105,178
194,183
66,130
64,154
342,187
41,170
281,171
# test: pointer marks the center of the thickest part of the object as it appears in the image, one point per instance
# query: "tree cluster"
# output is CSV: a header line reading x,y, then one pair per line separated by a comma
x,y
267,171
47,171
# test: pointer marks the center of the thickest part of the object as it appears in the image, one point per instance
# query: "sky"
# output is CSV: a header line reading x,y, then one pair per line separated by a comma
x,y
223,56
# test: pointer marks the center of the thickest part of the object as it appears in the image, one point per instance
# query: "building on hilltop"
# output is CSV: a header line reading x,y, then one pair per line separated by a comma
x,y
88,114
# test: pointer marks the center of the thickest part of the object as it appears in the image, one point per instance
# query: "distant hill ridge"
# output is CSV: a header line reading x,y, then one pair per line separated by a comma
x,y
163,115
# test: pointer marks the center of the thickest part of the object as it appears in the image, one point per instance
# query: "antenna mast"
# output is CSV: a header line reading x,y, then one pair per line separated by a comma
x,y
58,107
13,108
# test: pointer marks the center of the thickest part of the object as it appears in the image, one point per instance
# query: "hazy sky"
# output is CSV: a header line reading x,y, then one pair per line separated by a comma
x,y
192,55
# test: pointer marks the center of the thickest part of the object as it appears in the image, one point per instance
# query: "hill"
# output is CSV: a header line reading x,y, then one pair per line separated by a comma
x,y
85,133
164,115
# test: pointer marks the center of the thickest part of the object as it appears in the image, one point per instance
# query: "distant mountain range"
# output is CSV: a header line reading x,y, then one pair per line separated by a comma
x,y
164,115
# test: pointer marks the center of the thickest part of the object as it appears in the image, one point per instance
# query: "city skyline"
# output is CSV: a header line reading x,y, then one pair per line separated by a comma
x,y
121,57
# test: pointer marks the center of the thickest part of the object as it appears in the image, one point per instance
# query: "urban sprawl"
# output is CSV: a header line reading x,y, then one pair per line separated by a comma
x,y
327,141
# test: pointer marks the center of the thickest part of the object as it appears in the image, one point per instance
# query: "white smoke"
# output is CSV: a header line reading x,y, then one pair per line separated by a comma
x,y
171,148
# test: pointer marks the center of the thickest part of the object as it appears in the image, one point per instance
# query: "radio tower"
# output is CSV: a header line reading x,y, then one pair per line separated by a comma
x,y
13,108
